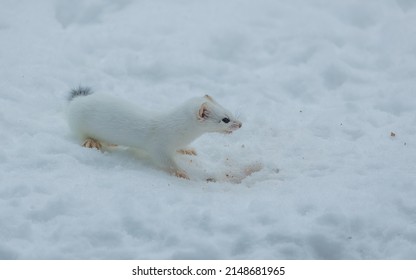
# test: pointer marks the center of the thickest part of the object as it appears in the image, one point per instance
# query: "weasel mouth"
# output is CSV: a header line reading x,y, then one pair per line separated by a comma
x,y
229,131
232,128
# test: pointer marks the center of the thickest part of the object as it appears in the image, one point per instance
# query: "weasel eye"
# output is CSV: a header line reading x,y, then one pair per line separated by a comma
x,y
226,120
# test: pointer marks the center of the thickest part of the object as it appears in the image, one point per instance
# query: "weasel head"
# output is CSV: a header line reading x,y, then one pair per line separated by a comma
x,y
214,118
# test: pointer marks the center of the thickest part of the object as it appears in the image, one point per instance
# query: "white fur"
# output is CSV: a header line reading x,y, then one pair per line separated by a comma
x,y
113,121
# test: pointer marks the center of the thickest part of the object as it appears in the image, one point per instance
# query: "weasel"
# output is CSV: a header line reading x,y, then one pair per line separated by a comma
x,y
100,119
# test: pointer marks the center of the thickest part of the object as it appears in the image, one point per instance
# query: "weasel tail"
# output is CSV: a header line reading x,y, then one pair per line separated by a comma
x,y
80,91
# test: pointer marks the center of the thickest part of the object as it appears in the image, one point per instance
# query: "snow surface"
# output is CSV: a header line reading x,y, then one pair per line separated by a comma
x,y
319,85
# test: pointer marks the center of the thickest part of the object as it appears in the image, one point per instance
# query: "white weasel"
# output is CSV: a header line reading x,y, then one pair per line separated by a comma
x,y
101,119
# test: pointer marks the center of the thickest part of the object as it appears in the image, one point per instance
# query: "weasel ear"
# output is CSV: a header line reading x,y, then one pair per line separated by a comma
x,y
203,111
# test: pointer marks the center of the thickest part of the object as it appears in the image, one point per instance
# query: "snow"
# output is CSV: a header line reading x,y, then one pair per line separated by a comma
x,y
320,87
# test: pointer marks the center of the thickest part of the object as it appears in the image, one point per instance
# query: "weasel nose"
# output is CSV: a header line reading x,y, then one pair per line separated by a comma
x,y
240,125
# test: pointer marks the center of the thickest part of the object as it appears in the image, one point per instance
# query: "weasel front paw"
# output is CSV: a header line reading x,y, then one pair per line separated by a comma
x,y
190,152
92,143
181,174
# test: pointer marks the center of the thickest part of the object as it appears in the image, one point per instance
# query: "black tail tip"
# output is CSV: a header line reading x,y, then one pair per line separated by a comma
x,y
80,91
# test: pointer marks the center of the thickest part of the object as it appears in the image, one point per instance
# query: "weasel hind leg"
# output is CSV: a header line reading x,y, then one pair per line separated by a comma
x,y
92,143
